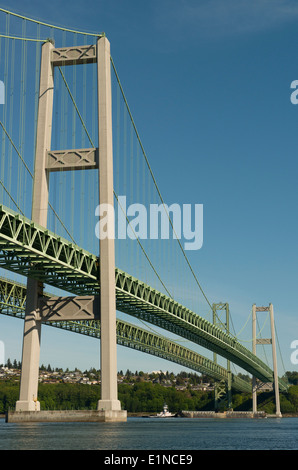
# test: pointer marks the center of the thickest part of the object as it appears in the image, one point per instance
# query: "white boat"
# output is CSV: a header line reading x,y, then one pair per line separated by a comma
x,y
164,413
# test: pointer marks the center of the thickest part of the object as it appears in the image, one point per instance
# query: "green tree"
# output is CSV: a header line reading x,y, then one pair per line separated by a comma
x,y
293,396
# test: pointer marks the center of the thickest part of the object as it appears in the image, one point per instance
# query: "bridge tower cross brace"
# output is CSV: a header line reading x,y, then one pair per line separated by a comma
x,y
45,162
255,342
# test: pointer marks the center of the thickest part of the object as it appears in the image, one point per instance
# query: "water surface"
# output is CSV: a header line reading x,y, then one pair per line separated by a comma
x,y
154,434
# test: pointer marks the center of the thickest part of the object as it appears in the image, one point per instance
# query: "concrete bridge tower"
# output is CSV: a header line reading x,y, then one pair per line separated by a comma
x,y
255,342
104,307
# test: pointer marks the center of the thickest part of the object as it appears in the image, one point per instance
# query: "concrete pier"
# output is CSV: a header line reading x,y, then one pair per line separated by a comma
x,y
66,416
226,414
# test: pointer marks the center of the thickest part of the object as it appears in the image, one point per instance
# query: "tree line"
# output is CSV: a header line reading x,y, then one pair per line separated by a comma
x,y
141,397
142,392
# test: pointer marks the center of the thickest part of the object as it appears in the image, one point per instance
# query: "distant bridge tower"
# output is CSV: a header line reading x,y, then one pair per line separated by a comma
x,y
45,162
222,389
271,341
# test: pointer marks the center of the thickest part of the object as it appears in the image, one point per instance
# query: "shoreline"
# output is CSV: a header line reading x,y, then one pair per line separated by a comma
x,y
148,414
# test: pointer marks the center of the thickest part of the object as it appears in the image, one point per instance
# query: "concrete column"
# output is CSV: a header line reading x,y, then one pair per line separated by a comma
x,y
254,350
109,393
276,386
30,357
32,327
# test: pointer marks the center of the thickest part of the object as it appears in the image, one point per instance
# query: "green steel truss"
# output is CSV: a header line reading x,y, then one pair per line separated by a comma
x,y
13,301
33,251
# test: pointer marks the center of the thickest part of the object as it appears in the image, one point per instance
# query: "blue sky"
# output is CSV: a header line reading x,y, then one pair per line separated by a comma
x,y
208,84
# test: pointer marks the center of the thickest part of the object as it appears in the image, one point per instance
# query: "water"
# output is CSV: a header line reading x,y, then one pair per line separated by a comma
x,y
154,434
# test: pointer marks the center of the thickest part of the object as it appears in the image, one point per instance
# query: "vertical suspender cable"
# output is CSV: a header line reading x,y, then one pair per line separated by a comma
x,y
4,116
10,159
72,189
125,174
95,190
63,144
36,92
82,172
117,173
22,176
132,243
137,173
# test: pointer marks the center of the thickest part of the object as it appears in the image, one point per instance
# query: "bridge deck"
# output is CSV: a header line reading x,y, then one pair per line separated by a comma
x,y
34,251
13,301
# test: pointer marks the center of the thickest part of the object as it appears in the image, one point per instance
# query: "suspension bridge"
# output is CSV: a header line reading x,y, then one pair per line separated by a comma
x,y
69,143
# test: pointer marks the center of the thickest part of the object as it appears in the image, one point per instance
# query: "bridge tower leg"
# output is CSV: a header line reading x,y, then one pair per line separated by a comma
x,y
271,341
109,400
32,326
